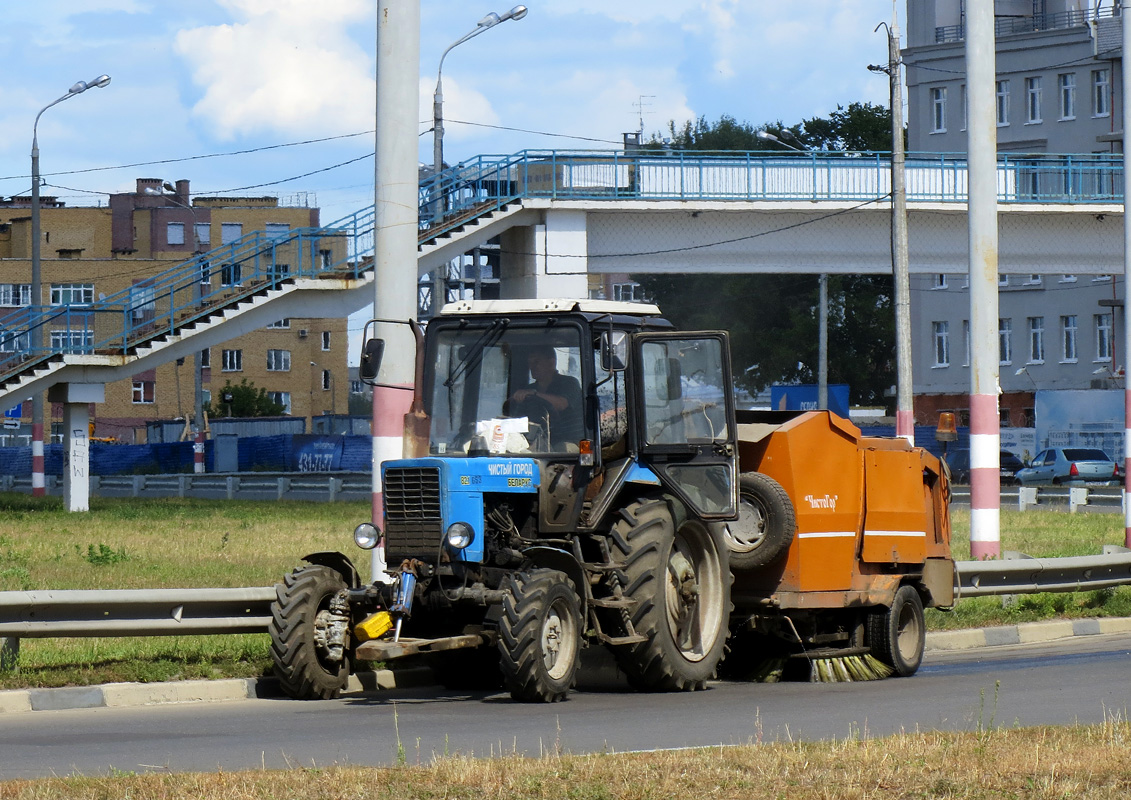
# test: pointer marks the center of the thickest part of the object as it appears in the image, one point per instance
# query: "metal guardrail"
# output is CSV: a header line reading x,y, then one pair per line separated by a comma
x,y
134,612
316,486
172,612
1021,574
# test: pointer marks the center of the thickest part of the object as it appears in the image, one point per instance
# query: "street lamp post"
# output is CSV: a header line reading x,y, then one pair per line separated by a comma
x,y
38,483
488,22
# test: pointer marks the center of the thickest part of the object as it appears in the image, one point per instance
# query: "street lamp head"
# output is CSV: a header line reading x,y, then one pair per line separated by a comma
x,y
769,137
490,21
101,81
168,187
82,86
518,12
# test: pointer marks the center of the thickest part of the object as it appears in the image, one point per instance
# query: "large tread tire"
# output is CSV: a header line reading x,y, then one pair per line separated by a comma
x,y
303,670
897,635
765,526
680,580
540,636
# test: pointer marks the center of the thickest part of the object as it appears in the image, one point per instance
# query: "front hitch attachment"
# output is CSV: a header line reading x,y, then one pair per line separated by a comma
x,y
402,608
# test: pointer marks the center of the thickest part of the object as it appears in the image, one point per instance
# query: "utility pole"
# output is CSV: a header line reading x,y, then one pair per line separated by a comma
x,y
901,280
1125,10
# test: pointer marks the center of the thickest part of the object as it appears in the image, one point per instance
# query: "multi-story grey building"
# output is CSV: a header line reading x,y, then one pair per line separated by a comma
x,y
1058,84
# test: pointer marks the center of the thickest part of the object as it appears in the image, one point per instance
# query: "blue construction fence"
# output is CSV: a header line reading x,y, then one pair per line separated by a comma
x,y
280,453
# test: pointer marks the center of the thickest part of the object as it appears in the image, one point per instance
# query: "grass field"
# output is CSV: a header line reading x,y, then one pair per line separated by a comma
x,y
988,763
128,544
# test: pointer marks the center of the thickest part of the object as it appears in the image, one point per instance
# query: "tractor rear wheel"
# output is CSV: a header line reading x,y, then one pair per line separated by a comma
x,y
310,633
766,522
540,636
679,577
897,635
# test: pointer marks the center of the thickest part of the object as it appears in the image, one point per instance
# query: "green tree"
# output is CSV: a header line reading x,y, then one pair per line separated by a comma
x,y
778,343
247,400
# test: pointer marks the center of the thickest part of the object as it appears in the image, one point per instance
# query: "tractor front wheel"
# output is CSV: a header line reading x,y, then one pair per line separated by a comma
x,y
540,636
310,635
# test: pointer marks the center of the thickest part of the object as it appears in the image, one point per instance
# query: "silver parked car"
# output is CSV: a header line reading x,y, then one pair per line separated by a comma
x,y
1069,466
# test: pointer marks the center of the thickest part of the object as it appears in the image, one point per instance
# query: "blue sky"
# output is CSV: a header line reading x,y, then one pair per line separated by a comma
x,y
194,81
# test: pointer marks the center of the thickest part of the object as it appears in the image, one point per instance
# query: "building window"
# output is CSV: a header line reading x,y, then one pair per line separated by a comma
x,y
1068,337
629,292
966,342
72,341
1103,337
1068,279
277,230
174,234
1005,340
283,399
143,391
326,379
72,294
942,343
205,358
15,294
325,340
939,281
231,360
1101,93
1033,100
281,324
278,360
205,274
1066,84
938,107
1003,102
231,275
1036,340
1101,278
327,258
1002,279
143,303
203,233
962,91
1034,280
230,232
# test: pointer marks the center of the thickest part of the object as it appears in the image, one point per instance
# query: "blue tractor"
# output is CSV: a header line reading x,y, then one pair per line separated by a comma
x,y
576,468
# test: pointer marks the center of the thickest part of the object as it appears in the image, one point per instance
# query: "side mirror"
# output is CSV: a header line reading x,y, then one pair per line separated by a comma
x,y
614,351
370,364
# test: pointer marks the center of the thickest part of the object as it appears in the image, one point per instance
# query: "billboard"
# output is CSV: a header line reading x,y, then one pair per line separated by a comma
x,y
803,397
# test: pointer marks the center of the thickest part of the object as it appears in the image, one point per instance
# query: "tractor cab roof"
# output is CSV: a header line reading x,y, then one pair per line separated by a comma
x,y
634,314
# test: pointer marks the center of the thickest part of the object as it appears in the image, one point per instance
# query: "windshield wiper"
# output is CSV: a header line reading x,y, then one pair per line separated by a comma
x,y
473,358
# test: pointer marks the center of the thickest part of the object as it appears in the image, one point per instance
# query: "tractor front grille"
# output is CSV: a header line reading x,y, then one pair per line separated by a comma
x,y
414,524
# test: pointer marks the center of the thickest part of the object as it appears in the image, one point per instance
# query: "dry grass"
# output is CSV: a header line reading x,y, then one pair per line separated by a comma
x,y
1038,763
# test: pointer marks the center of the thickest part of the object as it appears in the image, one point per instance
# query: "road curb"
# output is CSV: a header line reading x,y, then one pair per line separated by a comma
x,y
133,695
1025,633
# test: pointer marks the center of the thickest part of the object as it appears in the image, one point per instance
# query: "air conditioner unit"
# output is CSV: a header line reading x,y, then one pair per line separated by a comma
x,y
302,333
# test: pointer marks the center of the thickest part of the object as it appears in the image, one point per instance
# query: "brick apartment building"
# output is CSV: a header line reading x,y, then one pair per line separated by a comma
x,y
88,253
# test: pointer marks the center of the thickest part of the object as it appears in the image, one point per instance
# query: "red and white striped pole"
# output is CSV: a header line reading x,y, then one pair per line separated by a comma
x,y
985,438
38,481
396,226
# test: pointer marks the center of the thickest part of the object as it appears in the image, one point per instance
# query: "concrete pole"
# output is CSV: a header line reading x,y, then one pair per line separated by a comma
x,y
1126,9
38,482
395,207
823,341
76,399
904,394
985,439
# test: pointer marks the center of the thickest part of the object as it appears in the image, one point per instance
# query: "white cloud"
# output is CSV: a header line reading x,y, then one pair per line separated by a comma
x,y
289,66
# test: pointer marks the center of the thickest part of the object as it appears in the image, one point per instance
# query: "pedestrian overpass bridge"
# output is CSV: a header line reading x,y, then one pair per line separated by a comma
x,y
562,216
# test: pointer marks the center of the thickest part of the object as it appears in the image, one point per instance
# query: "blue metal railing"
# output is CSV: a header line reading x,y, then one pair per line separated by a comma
x,y
207,283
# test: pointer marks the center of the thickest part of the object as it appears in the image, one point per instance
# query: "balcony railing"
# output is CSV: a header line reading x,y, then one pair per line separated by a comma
x,y
1006,26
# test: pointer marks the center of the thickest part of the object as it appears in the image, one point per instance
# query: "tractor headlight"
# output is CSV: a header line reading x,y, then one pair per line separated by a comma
x,y
366,535
460,535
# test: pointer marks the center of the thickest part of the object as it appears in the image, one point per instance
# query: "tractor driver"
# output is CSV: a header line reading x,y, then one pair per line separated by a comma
x,y
550,397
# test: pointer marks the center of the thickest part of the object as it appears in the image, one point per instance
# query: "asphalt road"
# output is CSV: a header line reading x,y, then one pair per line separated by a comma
x,y
1076,680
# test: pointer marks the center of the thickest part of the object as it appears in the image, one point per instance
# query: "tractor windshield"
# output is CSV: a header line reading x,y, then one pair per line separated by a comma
x,y
506,389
